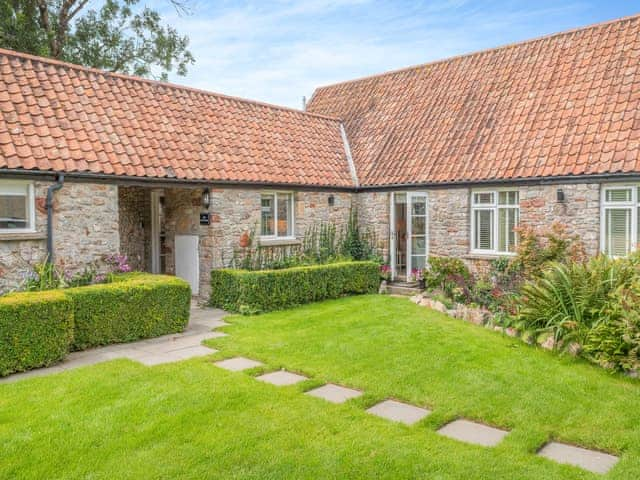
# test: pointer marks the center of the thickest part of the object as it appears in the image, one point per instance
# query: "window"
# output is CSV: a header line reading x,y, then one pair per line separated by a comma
x,y
276,215
494,217
619,220
17,212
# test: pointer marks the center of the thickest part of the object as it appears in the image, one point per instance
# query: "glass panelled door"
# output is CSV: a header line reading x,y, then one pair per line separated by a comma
x,y
417,231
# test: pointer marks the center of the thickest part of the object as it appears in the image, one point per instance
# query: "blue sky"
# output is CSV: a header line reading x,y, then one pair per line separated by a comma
x,y
277,51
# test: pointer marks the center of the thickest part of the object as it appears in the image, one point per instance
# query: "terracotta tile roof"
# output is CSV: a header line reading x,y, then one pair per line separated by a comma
x,y
64,118
566,104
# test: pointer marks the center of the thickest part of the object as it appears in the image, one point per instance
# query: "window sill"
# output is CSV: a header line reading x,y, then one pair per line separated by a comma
x,y
19,236
277,242
487,256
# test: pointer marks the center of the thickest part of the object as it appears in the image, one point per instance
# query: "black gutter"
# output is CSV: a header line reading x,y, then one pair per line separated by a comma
x,y
593,178
170,182
50,191
176,182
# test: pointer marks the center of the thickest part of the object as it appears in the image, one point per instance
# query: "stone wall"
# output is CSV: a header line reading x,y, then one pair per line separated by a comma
x,y
580,211
233,212
85,228
373,215
450,218
92,220
135,226
449,222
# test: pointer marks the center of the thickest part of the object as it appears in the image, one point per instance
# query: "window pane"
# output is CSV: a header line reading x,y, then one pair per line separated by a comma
x,y
507,222
419,206
418,245
418,225
14,211
483,198
267,212
508,198
483,236
617,231
418,261
284,216
623,195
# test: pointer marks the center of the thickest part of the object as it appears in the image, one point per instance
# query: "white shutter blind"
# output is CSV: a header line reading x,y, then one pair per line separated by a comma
x,y
484,229
618,231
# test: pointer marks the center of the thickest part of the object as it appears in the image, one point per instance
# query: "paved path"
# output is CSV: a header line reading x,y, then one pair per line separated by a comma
x,y
459,429
154,351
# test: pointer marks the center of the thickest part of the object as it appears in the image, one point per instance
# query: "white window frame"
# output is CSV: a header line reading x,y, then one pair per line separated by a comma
x,y
5,187
633,205
495,207
291,200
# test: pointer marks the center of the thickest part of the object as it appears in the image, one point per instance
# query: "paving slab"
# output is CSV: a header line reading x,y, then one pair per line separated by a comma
x,y
591,460
153,351
334,393
399,412
238,364
472,432
282,378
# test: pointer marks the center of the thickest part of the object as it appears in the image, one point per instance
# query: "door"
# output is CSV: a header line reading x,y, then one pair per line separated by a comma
x,y
417,231
187,260
398,235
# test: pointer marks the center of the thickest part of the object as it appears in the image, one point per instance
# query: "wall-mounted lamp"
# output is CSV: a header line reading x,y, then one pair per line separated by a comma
x,y
206,199
331,200
560,196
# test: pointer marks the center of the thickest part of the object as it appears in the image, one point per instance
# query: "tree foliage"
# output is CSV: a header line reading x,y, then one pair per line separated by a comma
x,y
119,35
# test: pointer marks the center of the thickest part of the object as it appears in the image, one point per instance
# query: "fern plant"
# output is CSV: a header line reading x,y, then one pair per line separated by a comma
x,y
566,300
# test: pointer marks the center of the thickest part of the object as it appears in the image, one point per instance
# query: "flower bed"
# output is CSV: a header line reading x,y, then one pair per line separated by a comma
x,y
39,328
549,294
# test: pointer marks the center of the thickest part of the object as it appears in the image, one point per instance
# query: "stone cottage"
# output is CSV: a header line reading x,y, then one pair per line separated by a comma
x,y
445,158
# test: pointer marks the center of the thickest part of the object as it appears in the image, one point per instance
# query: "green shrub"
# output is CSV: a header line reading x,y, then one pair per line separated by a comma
x,y
132,307
449,275
266,290
36,330
614,340
567,299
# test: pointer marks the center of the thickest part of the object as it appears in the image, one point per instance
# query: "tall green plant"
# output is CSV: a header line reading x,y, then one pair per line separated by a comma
x,y
567,299
357,244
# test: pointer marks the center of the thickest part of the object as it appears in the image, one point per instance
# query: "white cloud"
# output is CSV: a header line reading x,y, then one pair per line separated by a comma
x,y
277,51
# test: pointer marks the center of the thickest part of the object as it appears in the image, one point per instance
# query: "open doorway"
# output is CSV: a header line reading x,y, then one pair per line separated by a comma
x,y
409,234
158,233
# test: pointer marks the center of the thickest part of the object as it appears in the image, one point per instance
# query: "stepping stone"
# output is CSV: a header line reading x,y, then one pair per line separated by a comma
x,y
591,460
238,364
334,393
282,378
399,412
472,432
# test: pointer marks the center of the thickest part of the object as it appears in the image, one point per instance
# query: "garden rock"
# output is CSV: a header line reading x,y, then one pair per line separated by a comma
x,y
547,342
574,349
434,305
383,288
477,316
511,332
416,298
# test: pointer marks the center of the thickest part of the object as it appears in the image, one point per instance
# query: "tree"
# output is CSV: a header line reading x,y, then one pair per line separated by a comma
x,y
117,36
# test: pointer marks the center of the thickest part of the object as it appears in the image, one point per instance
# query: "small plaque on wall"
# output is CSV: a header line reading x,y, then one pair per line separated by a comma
x,y
205,218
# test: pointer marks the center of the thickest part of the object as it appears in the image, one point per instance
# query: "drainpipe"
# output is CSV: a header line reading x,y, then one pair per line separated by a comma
x,y
50,191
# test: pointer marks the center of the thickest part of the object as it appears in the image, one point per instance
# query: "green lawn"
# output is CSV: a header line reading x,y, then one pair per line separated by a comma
x,y
193,420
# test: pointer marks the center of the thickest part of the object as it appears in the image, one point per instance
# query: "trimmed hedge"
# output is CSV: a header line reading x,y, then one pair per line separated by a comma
x,y
36,329
39,328
262,291
132,307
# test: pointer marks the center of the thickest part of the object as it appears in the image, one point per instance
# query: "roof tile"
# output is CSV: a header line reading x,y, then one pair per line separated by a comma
x,y
524,110
84,116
